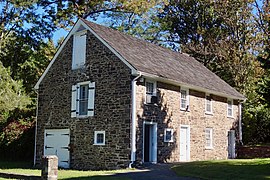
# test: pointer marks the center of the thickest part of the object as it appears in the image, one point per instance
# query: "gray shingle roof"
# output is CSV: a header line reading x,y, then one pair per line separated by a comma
x,y
153,59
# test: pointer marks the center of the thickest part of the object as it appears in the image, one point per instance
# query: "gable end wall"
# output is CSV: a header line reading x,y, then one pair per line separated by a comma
x,y
112,107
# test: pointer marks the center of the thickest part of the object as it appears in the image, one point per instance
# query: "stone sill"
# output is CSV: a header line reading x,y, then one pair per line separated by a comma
x,y
149,104
99,144
185,110
209,113
230,117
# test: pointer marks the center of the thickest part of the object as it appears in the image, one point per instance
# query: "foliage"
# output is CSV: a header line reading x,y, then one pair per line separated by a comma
x,y
64,12
17,135
226,169
256,125
263,23
11,93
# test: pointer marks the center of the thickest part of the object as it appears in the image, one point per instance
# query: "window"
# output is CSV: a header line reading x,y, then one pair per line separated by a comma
x,y
83,98
209,138
184,99
208,104
79,50
99,138
168,135
230,108
151,92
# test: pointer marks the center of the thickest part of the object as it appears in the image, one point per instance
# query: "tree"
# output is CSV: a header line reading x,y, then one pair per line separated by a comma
x,y
263,24
12,95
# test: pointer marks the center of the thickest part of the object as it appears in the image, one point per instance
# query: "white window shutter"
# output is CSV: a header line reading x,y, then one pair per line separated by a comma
x,y
74,101
81,45
79,50
91,99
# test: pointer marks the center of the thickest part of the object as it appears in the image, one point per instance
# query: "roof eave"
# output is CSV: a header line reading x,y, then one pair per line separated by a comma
x,y
197,88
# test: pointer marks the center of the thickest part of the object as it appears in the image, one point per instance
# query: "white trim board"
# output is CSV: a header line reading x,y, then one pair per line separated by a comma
x,y
74,29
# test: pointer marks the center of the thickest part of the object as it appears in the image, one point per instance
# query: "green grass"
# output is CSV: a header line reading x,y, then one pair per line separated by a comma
x,y
26,169
225,169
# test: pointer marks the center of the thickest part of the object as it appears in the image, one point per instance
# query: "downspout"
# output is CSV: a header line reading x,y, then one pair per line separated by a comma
x,y
35,148
240,122
133,120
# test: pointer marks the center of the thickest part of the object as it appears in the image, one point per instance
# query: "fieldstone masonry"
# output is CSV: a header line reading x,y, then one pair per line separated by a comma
x,y
167,114
112,113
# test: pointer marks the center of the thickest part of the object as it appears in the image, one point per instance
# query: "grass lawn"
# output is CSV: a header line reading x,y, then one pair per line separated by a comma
x,y
226,169
24,168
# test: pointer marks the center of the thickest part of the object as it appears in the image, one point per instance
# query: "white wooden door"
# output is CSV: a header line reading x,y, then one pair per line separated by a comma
x,y
184,143
56,142
231,144
153,143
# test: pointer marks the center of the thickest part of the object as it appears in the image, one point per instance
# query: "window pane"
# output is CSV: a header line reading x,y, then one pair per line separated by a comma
x,y
149,88
183,94
83,100
100,138
208,137
83,107
230,108
183,99
208,104
230,112
168,135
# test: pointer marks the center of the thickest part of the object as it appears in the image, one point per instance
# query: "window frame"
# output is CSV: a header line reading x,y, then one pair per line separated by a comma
x,y
154,89
210,130
80,100
187,108
78,97
228,107
96,135
165,135
211,104
75,100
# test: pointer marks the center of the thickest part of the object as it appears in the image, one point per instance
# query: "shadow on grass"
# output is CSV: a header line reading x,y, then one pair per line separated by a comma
x,y
15,165
231,169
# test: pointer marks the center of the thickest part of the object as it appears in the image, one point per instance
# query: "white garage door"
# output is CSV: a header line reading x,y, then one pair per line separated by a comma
x,y
56,142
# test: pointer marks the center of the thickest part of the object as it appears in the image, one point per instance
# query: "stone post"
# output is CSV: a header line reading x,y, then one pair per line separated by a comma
x,y
49,167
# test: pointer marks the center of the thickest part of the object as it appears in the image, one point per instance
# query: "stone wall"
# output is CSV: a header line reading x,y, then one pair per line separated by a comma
x,y
251,152
167,114
112,107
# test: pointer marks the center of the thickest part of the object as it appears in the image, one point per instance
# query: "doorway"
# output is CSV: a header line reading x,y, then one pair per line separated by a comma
x,y
231,144
150,142
184,143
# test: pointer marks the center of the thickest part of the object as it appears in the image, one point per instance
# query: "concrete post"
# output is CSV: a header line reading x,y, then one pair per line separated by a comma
x,y
49,167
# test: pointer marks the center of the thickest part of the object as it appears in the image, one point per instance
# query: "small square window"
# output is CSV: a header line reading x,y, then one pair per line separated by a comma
x,y
168,135
230,108
99,138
